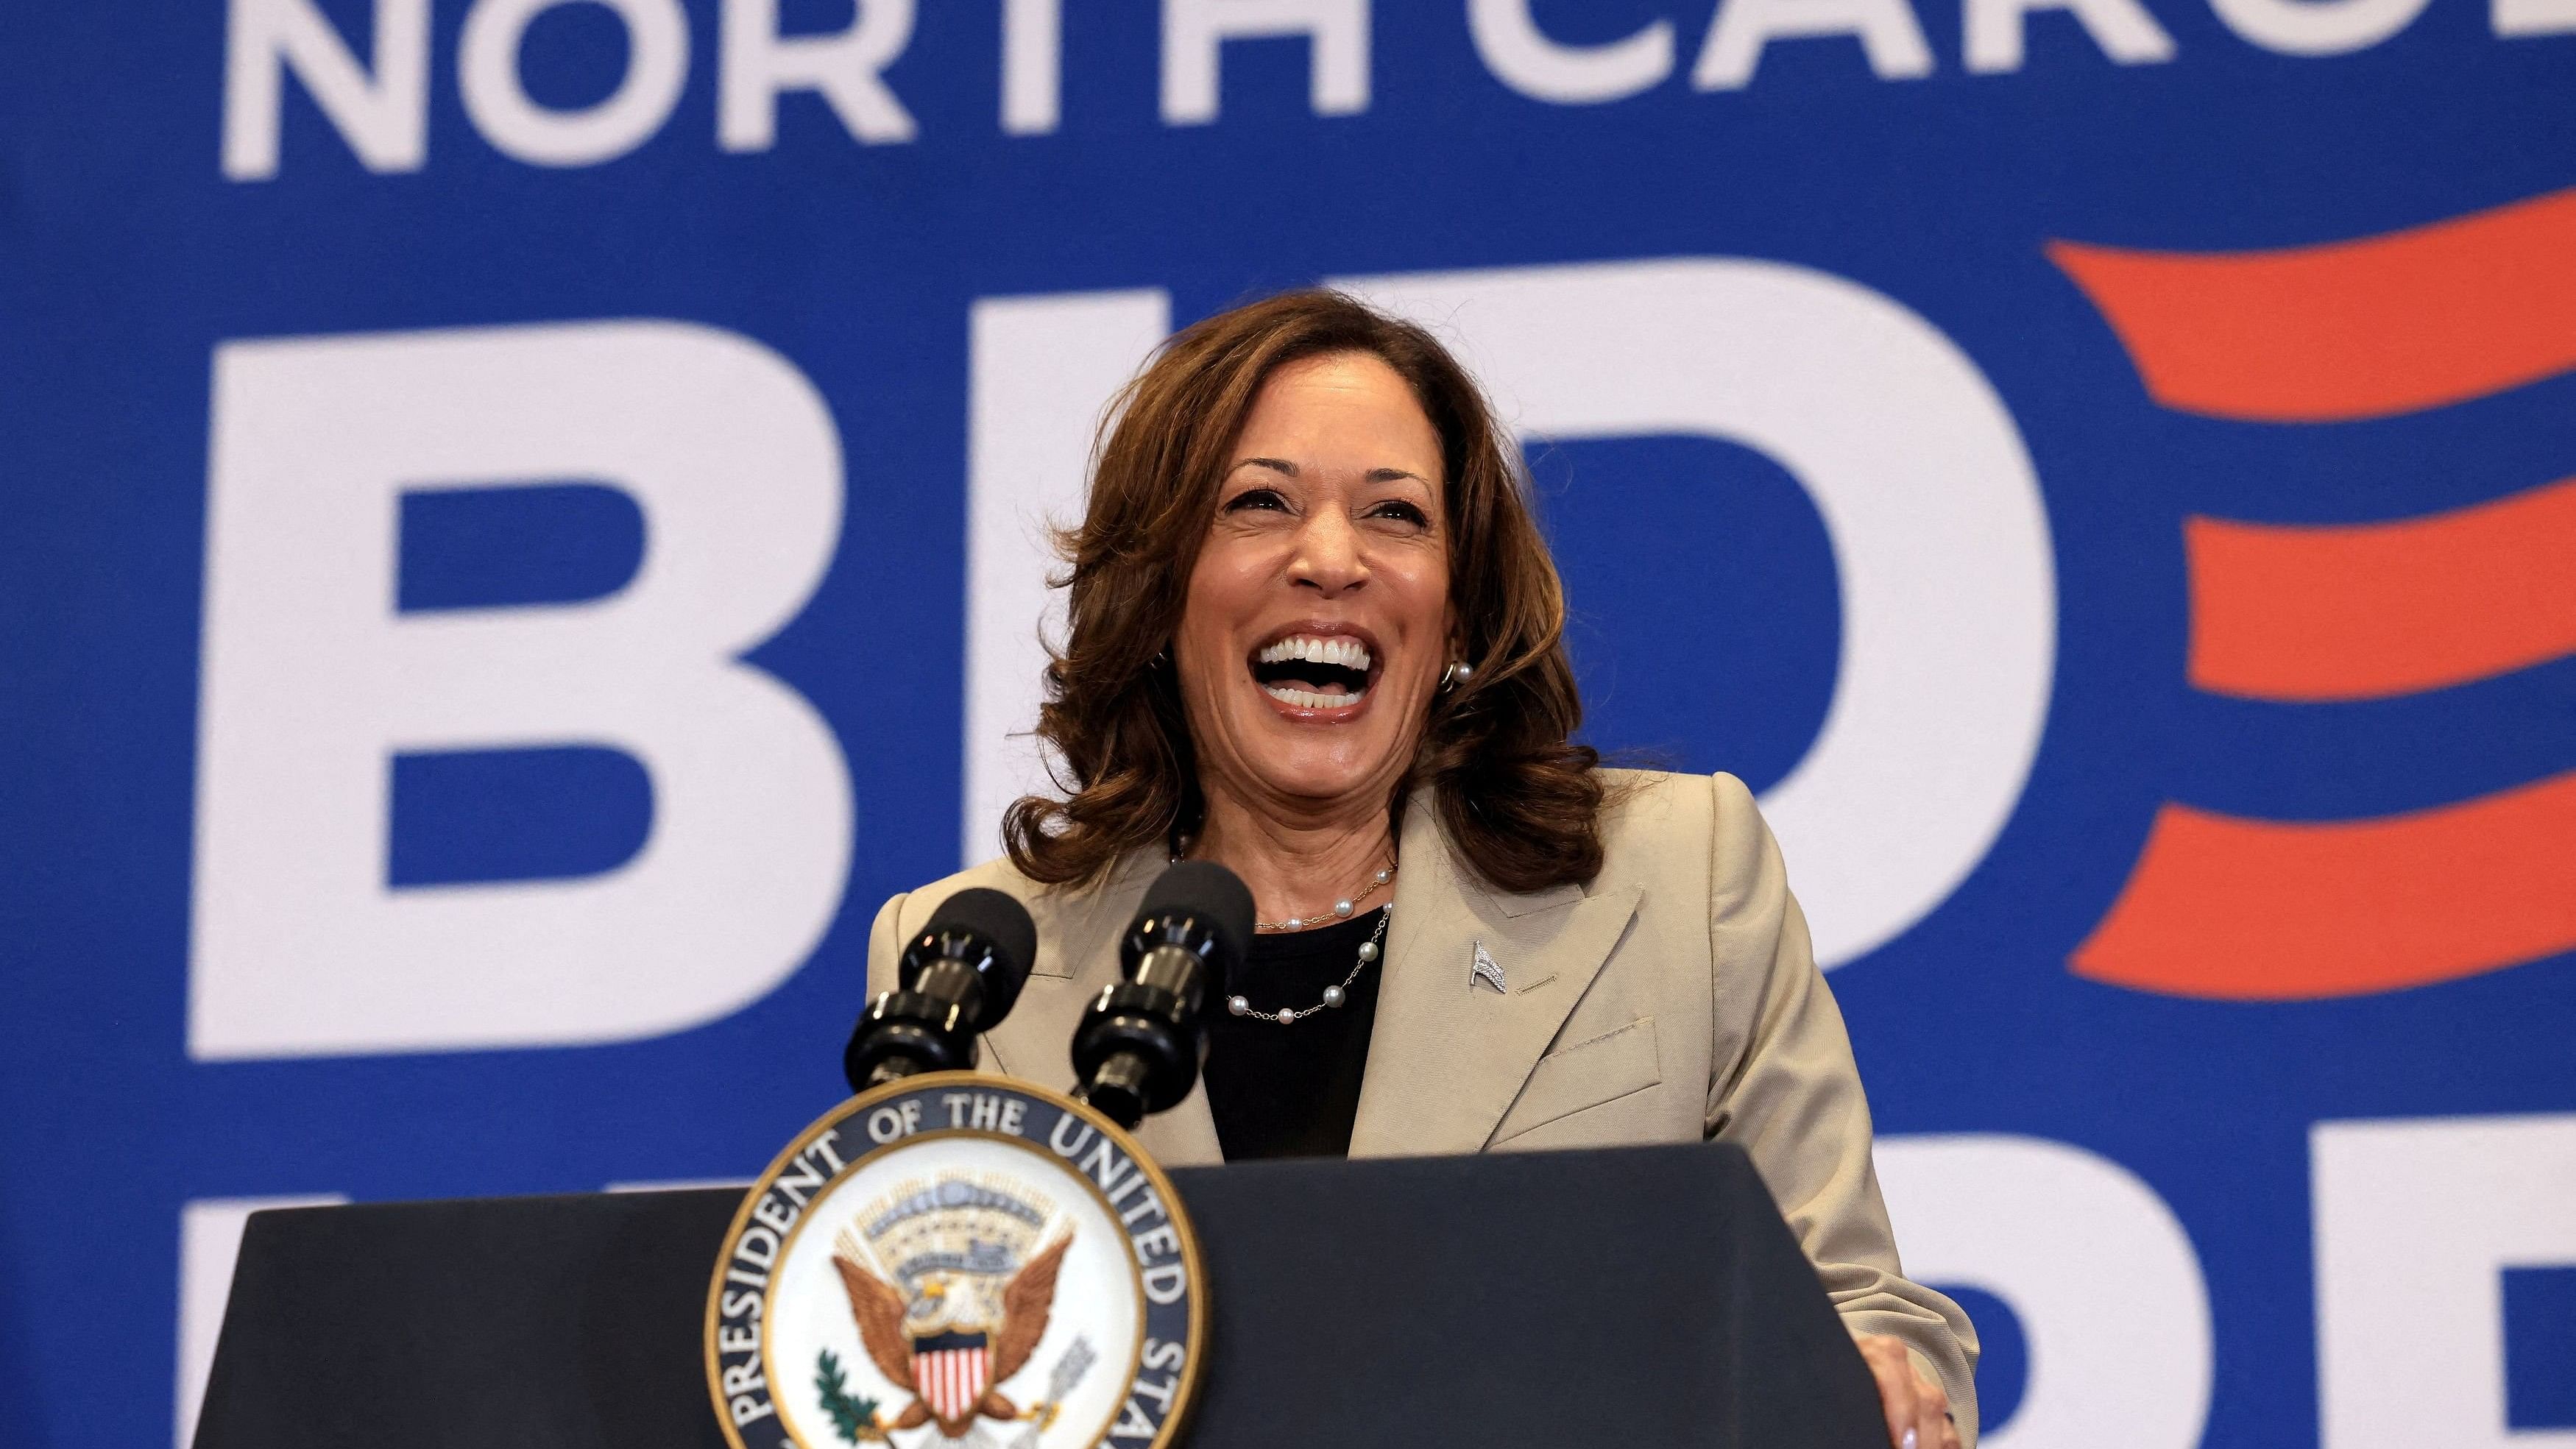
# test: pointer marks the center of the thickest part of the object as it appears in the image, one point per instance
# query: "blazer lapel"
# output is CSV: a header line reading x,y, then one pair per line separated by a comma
x,y
1449,1053
1078,935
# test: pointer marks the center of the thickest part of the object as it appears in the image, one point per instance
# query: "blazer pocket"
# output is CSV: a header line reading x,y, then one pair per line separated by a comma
x,y
1592,1071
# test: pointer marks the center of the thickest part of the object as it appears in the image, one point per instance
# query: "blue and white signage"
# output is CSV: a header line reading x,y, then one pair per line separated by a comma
x,y
520,525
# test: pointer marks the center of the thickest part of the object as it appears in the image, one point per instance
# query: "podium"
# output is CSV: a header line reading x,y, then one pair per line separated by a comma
x,y
1646,1296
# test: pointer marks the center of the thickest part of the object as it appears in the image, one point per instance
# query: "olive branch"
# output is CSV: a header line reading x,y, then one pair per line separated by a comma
x,y
854,1419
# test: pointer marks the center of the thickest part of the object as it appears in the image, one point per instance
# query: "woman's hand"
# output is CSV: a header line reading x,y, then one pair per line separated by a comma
x,y
1917,1408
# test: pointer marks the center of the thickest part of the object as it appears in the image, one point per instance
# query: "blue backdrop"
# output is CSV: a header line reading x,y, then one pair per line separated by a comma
x,y
129,255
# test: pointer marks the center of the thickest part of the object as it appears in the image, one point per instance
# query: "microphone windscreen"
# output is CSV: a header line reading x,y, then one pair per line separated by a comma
x,y
1213,893
1002,920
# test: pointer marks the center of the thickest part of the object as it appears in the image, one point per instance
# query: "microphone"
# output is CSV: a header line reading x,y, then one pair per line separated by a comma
x,y
958,977
1138,1047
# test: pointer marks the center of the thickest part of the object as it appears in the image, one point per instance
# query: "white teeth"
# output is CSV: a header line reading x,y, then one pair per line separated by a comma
x,y
1347,653
1308,699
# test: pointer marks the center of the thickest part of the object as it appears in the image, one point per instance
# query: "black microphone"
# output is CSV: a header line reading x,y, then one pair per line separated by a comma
x,y
1139,1045
958,977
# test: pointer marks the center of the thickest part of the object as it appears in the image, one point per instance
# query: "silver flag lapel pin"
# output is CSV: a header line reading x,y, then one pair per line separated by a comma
x,y
1485,969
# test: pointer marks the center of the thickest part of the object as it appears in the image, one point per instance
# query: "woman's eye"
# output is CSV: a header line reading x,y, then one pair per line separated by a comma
x,y
1401,512
1257,498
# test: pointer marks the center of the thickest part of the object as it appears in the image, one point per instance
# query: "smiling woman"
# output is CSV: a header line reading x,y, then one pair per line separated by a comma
x,y
1315,635
1291,487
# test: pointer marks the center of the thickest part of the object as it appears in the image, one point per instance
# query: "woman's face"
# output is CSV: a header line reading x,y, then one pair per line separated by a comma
x,y
1318,618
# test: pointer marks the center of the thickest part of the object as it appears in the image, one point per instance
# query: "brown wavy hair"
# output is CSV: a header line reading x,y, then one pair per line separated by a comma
x,y
1517,797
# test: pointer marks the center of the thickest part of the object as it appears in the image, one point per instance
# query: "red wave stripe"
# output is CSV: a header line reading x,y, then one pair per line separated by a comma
x,y
2249,910
2368,611
2356,329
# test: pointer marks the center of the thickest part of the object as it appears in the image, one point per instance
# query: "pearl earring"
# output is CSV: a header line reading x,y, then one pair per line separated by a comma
x,y
1458,672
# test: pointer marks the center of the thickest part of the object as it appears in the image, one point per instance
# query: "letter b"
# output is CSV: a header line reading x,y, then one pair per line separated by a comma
x,y
312,681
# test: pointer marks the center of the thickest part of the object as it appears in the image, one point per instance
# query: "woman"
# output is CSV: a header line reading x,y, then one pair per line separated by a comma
x,y
1315,635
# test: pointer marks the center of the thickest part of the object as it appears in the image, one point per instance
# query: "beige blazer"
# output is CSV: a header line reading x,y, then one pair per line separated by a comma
x,y
1674,999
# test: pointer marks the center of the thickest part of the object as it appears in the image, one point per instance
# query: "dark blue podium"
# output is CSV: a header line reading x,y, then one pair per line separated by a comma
x,y
1637,1296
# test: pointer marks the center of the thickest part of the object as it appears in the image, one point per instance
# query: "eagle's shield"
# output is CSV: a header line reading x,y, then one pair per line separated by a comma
x,y
950,1371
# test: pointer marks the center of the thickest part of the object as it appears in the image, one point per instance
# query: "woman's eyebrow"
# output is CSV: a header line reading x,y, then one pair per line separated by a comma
x,y
1276,465
1389,475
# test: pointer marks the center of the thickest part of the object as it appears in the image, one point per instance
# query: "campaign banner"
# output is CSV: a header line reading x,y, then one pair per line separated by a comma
x,y
522,523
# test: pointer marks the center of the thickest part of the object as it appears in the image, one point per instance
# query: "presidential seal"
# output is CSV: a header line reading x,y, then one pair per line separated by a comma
x,y
956,1259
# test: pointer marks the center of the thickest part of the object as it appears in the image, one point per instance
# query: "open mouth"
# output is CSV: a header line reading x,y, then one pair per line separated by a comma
x,y
1314,671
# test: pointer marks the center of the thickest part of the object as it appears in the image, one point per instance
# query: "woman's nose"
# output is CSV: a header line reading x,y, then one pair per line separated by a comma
x,y
1328,554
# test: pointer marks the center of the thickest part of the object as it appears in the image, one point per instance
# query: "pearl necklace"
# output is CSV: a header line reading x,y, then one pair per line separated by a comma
x,y
1333,995
1341,909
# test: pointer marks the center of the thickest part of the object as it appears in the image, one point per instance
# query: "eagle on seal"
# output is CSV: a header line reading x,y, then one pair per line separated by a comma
x,y
1026,1303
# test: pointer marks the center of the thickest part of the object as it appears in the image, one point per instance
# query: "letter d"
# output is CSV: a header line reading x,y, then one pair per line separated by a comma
x,y
312,681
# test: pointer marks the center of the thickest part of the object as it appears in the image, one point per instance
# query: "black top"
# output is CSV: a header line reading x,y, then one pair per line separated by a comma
x,y
1293,1091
